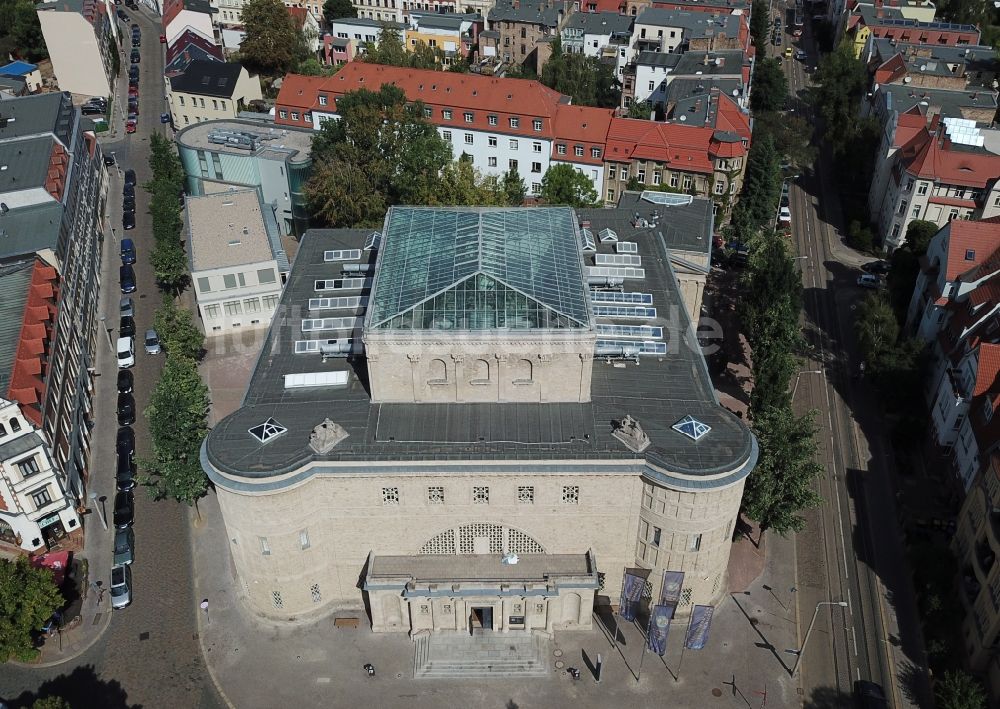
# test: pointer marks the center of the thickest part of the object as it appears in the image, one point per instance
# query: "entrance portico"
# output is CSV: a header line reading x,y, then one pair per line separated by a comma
x,y
481,593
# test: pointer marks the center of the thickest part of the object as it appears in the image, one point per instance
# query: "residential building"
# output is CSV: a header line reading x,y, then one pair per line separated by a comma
x,y
956,67
237,263
53,194
666,31
80,37
36,513
27,71
588,33
210,90
648,78
306,18
889,22
188,47
885,99
361,31
337,50
454,34
938,172
194,15
220,155
526,29
458,435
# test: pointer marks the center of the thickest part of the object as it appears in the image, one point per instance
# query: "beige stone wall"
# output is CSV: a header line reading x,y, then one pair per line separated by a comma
x,y
692,286
479,369
343,518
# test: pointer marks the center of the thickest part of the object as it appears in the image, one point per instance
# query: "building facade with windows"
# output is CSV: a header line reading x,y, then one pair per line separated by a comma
x,y
81,37
237,263
449,410
209,90
36,510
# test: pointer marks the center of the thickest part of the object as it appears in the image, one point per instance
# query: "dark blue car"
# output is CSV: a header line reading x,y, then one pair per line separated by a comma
x,y
128,251
126,277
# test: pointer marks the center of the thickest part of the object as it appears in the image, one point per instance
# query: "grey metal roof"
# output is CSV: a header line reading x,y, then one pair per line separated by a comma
x,y
902,97
24,164
684,227
694,24
684,88
31,115
30,229
208,78
366,22
20,445
521,438
709,63
432,259
600,22
536,12
14,281
444,22
661,59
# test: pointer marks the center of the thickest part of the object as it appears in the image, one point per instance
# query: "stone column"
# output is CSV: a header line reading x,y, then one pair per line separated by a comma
x,y
459,374
416,387
501,359
543,373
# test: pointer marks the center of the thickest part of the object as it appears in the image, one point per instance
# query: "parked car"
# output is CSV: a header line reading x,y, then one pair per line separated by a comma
x,y
134,58
130,180
125,351
870,695
126,307
122,16
136,41
128,190
125,381
124,514
868,281
777,39
879,268
124,547
91,109
128,249
125,442
130,126
163,39
133,91
128,204
126,409
801,54
126,327
133,72
126,276
109,159
121,586
128,221
789,52
152,342
784,216
125,473
164,118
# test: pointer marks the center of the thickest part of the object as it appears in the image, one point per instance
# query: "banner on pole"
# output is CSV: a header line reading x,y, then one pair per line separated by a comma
x,y
659,626
670,591
631,593
701,621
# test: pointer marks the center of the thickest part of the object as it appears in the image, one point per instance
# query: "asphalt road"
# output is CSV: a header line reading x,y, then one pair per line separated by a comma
x,y
149,656
852,548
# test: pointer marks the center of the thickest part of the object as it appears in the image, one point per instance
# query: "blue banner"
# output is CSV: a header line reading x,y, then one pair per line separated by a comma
x,y
701,621
670,591
631,594
659,626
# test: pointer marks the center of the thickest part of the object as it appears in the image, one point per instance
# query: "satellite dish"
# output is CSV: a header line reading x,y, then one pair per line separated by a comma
x,y
923,67
907,79
736,92
683,118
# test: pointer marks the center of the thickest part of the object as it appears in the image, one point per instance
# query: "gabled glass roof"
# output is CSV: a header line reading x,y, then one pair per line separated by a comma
x,y
479,269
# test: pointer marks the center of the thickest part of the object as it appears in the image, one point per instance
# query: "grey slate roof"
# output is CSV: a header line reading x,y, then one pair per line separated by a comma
x,y
486,436
30,229
600,23
444,22
20,445
685,227
694,24
682,89
536,12
14,281
660,59
726,62
901,97
208,78
366,22
893,17
24,164
31,115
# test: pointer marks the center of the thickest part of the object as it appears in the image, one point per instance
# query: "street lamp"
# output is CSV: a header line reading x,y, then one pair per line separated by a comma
x,y
100,510
808,371
805,640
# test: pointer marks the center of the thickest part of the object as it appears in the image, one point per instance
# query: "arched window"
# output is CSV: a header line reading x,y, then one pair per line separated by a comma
x,y
523,370
437,372
480,372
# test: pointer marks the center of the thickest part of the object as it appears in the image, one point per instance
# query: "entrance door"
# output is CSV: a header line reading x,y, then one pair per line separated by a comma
x,y
483,617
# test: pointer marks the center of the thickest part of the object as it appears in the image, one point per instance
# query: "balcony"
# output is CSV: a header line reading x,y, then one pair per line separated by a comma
x,y
985,557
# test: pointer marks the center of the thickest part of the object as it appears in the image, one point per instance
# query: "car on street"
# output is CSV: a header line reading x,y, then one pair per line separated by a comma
x,y
128,250
109,159
130,126
121,587
124,547
133,105
128,191
134,58
879,268
92,110
788,52
126,352
784,216
152,342
136,41
133,118
128,204
125,473
128,220
163,39
130,177
801,54
868,281
133,72
777,39
125,381
126,307
133,91
164,118
125,441
126,409
126,327
869,695
124,514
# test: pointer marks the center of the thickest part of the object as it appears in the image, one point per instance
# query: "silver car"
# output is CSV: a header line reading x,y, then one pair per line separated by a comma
x,y
124,547
121,586
126,308
152,341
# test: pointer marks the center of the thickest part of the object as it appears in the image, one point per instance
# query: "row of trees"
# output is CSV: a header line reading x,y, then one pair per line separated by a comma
x,y
178,408
587,80
391,51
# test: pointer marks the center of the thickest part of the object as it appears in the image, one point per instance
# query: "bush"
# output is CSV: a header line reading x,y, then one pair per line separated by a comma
x,y
860,237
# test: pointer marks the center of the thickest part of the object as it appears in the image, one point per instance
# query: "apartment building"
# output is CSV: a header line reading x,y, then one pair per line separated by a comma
x,y
648,78
889,22
81,38
196,15
525,30
455,35
210,90
957,67
53,192
188,47
237,263
666,31
946,170
362,30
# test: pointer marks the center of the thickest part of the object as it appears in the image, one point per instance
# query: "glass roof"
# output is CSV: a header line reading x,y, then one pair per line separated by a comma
x,y
480,269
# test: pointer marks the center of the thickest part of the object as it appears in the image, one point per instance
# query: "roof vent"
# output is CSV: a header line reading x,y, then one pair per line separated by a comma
x,y
246,230
692,428
266,431
235,242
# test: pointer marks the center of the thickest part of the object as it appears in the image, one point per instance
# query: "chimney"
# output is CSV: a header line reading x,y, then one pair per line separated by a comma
x,y
705,61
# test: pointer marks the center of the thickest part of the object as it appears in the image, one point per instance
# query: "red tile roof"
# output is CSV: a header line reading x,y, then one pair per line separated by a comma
x,y
729,117
299,91
936,159
988,368
891,70
299,15
982,239
27,386
680,147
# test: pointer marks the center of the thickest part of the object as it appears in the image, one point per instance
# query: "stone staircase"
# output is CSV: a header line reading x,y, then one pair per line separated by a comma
x,y
485,654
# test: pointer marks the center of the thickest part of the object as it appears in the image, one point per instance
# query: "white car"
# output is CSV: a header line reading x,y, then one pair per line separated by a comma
x,y
868,281
784,216
126,352
121,586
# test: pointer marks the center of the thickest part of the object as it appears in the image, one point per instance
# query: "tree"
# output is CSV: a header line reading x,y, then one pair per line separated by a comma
x,y
770,87
791,134
587,80
337,9
760,24
170,266
781,484
514,188
959,690
761,189
640,110
20,31
177,415
313,67
51,703
877,330
272,44
28,598
564,184
389,49
840,81
178,333
919,233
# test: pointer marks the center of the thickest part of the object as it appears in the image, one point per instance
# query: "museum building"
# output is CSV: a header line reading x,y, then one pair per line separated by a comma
x,y
478,417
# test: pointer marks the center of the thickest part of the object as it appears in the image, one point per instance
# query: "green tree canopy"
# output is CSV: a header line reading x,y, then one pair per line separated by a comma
x,y
919,234
20,31
51,703
959,690
564,184
588,81
760,24
641,110
840,81
337,9
877,330
770,87
791,133
382,151
390,50
514,187
28,598
272,44
178,332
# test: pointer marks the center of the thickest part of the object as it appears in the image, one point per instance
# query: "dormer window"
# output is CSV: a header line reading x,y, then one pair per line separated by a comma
x,y
15,425
970,254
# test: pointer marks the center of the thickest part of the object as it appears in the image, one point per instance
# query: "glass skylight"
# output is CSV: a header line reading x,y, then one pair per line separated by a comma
x,y
691,427
267,430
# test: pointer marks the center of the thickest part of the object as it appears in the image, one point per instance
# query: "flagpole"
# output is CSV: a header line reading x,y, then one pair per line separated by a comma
x,y
680,662
621,599
644,644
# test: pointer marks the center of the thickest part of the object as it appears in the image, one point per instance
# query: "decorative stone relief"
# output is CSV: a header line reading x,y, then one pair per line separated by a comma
x,y
629,432
326,436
